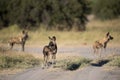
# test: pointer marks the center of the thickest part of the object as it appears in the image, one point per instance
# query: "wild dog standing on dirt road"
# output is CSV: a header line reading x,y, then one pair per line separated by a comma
x,y
21,39
102,43
50,49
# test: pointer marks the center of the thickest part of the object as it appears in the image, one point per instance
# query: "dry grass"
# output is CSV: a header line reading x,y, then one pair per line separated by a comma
x,y
12,62
108,23
99,28
96,30
114,60
17,60
110,62
72,62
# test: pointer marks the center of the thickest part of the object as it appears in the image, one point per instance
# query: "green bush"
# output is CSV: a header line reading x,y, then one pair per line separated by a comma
x,y
106,9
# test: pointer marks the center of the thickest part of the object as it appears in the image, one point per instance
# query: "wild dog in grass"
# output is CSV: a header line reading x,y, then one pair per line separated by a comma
x,y
21,39
50,49
102,43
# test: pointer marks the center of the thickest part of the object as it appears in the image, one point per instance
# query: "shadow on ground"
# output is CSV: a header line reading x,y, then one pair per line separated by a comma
x,y
100,63
73,67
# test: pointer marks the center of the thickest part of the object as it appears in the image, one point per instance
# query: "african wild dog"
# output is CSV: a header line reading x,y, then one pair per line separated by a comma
x,y
21,39
102,43
50,49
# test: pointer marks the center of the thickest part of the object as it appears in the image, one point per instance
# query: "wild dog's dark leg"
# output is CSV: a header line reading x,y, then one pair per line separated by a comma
x,y
94,48
100,52
46,58
95,51
45,53
53,58
23,46
105,45
11,45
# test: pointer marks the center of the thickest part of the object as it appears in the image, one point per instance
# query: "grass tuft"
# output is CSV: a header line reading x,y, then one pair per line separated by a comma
x,y
18,60
73,63
110,61
115,62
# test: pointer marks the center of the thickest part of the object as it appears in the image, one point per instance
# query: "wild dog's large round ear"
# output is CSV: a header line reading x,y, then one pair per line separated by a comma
x,y
107,34
54,38
26,28
23,31
49,37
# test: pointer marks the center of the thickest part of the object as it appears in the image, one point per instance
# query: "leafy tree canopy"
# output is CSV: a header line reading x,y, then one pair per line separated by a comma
x,y
55,14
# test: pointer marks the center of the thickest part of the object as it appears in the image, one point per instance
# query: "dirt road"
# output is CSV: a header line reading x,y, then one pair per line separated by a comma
x,y
91,72
85,51
88,73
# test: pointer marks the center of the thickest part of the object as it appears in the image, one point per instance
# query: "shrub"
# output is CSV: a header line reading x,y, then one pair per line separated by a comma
x,y
106,9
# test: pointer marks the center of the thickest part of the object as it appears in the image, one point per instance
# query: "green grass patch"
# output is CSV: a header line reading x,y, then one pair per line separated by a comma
x,y
6,33
18,60
73,63
115,62
110,61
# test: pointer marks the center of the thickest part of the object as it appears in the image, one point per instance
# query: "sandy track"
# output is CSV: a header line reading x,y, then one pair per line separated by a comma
x,y
85,51
88,73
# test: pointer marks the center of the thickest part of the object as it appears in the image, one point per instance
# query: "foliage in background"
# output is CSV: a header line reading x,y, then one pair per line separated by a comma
x,y
106,9
57,14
